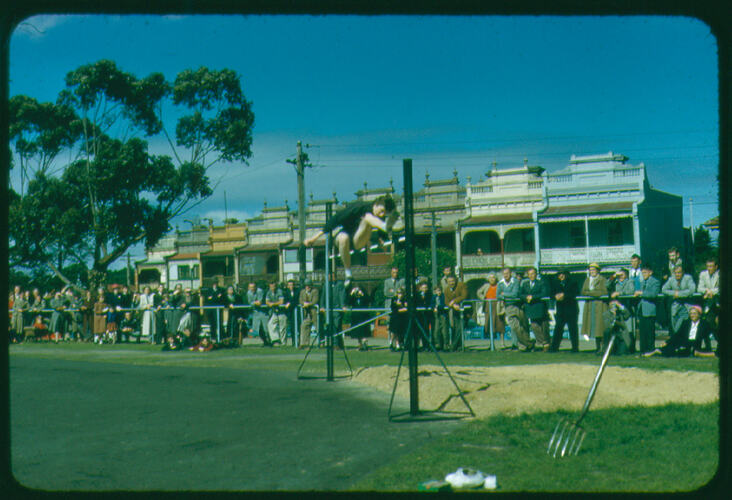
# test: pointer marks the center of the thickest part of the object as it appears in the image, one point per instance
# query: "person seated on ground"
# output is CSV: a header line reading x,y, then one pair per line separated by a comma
x,y
205,345
692,338
129,328
356,221
40,329
172,343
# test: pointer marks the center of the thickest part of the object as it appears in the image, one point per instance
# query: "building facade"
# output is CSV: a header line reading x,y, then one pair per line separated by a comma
x,y
599,208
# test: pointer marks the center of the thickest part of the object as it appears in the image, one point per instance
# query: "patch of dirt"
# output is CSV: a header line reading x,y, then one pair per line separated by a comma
x,y
513,390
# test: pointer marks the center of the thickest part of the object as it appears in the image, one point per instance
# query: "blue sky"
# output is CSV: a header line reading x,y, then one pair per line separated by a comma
x,y
448,92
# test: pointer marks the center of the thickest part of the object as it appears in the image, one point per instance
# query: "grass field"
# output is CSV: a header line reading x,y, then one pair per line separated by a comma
x,y
632,449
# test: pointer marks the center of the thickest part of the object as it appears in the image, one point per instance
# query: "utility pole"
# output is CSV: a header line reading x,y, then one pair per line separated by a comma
x,y
691,218
128,269
434,223
299,164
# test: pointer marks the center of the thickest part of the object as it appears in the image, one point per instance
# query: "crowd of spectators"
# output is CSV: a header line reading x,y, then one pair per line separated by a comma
x,y
630,301
180,318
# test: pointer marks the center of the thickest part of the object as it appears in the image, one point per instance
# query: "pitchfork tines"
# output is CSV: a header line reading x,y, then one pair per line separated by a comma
x,y
568,435
567,438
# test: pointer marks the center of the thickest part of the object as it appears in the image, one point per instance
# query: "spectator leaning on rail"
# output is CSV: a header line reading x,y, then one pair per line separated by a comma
x,y
595,287
231,313
494,314
565,291
508,291
621,288
258,313
634,271
455,293
399,317
650,289
291,295
422,301
534,291
440,330
309,297
277,324
20,306
391,284
709,288
679,288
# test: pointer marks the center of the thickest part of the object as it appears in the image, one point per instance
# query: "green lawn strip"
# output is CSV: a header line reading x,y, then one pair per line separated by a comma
x,y
286,358
634,449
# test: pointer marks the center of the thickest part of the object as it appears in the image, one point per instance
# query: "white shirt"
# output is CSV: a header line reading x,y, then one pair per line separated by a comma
x,y
692,331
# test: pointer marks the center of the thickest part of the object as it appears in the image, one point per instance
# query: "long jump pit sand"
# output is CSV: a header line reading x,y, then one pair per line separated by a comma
x,y
513,390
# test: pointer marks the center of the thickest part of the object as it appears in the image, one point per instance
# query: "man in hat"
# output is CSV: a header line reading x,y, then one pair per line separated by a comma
x,y
595,289
650,289
356,222
565,291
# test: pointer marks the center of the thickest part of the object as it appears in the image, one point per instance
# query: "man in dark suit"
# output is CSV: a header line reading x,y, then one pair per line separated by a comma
x,y
292,296
650,289
565,292
692,338
534,291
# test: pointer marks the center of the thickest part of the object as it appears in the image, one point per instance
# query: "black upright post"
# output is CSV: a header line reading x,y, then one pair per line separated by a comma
x,y
409,267
329,272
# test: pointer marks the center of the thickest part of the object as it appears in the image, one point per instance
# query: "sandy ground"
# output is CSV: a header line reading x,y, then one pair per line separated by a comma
x,y
512,390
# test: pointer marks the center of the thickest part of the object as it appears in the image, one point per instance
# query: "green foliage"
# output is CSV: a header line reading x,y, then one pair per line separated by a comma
x,y
423,260
113,193
703,248
222,119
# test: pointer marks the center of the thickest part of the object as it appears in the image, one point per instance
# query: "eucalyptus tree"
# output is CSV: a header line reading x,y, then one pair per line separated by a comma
x,y
96,187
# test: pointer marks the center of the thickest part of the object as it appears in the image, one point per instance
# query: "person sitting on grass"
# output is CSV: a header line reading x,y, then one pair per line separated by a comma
x,y
204,345
692,338
356,221
40,329
172,343
129,328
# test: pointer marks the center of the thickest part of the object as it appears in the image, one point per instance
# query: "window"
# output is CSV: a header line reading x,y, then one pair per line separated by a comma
x,y
188,272
577,236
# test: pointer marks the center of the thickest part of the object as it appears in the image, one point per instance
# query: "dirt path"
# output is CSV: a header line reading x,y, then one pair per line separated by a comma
x,y
512,390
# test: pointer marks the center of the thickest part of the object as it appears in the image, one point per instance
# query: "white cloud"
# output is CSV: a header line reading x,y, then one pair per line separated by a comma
x,y
218,216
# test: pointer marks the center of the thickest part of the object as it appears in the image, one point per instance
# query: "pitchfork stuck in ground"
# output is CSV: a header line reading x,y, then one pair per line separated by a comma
x,y
568,436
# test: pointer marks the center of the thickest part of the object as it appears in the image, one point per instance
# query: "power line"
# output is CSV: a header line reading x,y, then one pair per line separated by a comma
x,y
536,139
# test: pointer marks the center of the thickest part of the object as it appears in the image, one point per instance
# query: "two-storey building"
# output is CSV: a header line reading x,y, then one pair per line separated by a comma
x,y
602,209
499,225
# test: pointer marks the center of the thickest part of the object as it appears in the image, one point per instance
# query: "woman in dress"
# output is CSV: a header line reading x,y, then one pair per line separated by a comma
x,y
595,288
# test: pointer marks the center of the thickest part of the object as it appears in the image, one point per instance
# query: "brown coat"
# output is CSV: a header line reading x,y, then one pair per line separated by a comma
x,y
457,294
100,318
592,323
